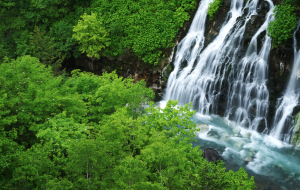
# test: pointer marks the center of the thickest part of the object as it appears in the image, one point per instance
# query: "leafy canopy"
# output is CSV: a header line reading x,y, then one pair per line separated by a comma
x,y
88,132
144,26
56,17
91,35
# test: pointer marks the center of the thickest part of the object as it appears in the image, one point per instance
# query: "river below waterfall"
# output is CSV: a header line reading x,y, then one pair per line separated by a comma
x,y
273,163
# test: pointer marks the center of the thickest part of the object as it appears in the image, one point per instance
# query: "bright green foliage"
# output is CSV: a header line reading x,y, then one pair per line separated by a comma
x,y
45,162
107,93
77,133
284,24
213,8
145,26
42,47
91,35
29,97
38,165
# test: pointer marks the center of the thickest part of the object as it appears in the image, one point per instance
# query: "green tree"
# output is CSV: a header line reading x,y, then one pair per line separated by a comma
x,y
43,48
30,96
105,94
91,35
56,17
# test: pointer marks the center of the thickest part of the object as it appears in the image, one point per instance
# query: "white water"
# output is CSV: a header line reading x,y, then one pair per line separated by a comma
x,y
289,100
248,97
194,39
269,160
200,81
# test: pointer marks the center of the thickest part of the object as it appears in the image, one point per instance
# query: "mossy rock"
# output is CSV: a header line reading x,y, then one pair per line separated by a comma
x,y
295,140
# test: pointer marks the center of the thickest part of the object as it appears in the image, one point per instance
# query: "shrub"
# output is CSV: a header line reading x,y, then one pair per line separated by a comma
x,y
91,35
214,8
284,24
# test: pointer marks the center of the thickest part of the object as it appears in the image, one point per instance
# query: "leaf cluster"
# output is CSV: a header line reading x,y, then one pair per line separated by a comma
x,y
91,35
281,29
213,8
145,26
42,48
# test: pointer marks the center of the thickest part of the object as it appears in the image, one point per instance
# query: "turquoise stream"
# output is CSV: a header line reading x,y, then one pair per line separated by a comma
x,y
272,162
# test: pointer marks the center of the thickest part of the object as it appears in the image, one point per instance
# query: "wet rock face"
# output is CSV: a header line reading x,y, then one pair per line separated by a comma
x,y
253,25
213,27
280,65
295,139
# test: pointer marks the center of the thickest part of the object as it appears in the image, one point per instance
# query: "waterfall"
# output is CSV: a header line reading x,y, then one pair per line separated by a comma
x,y
282,128
188,50
248,95
200,81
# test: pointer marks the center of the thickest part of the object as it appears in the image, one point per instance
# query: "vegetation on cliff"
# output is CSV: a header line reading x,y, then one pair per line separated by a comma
x,y
145,26
89,132
214,8
281,29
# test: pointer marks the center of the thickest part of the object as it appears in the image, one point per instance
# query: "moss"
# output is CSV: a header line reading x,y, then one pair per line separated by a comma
x,y
214,8
296,131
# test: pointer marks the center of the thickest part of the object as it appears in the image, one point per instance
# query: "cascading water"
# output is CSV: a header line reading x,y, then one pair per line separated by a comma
x,y
194,39
248,94
281,127
201,84
272,162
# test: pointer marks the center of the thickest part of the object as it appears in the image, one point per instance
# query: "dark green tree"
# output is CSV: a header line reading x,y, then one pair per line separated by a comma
x,y
44,49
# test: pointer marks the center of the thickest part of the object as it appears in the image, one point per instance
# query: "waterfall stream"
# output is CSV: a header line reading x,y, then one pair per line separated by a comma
x,y
282,127
201,80
198,76
248,96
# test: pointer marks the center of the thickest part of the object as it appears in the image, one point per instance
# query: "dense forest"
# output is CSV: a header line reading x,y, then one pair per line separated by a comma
x,y
94,132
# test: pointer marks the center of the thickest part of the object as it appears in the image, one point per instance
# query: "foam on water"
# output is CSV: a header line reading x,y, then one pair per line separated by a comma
x,y
258,153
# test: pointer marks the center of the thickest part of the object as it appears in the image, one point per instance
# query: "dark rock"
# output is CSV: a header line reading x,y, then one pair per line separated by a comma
x,y
252,26
213,133
213,27
211,155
